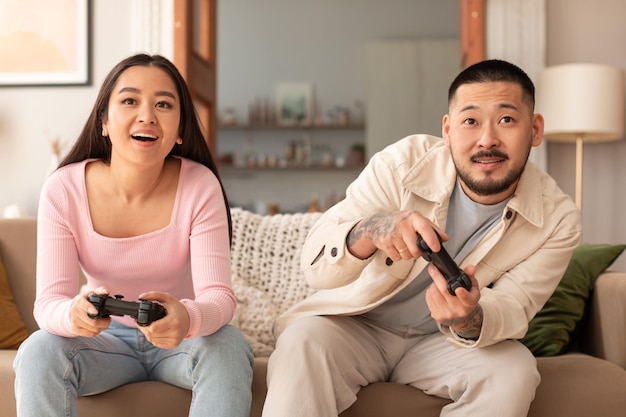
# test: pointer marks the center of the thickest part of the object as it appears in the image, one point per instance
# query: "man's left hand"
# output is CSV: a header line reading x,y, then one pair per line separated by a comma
x,y
460,312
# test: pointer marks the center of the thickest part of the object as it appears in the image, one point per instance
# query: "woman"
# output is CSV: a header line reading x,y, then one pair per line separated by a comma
x,y
138,204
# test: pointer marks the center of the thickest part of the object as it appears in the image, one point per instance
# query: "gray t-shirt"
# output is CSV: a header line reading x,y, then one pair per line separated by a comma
x,y
468,222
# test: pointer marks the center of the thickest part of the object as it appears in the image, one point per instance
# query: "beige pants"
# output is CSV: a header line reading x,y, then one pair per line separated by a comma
x,y
320,363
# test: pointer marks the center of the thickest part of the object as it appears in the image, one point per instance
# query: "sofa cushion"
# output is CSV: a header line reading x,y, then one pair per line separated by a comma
x,y
550,331
576,384
266,273
12,329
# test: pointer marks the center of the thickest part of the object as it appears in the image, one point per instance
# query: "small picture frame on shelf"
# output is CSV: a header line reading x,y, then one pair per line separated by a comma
x,y
294,104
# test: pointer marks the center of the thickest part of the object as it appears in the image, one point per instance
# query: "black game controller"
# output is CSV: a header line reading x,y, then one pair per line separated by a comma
x,y
144,311
449,269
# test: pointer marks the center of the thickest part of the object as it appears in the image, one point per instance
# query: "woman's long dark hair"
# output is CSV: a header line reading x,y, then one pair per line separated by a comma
x,y
91,144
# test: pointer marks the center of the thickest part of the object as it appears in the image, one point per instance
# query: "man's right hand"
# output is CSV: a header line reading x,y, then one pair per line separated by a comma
x,y
395,233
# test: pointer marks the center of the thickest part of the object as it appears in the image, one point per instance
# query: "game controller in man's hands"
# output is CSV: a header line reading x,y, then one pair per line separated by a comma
x,y
144,311
455,276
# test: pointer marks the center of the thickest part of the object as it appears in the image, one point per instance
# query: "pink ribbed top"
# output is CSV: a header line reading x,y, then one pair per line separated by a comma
x,y
189,258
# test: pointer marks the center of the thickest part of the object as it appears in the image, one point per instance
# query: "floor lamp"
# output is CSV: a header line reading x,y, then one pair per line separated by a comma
x,y
581,103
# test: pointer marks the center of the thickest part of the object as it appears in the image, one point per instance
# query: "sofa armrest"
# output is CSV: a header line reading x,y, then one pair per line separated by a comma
x,y
606,332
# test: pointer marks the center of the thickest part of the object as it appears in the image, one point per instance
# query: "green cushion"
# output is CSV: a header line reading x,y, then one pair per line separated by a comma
x,y
550,331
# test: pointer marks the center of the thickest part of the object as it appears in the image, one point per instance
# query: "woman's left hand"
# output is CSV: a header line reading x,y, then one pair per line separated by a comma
x,y
168,332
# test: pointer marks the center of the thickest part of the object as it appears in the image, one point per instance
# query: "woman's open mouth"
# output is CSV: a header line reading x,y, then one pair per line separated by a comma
x,y
143,137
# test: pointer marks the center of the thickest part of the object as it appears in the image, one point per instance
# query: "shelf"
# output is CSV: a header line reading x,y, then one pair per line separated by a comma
x,y
318,168
359,126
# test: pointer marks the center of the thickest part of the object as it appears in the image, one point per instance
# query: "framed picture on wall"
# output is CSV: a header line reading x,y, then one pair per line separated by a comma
x,y
294,104
45,43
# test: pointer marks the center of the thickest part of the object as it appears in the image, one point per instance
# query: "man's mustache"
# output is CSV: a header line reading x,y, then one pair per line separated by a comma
x,y
489,154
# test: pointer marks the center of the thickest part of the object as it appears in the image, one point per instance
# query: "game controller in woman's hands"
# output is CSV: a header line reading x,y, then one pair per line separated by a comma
x,y
144,311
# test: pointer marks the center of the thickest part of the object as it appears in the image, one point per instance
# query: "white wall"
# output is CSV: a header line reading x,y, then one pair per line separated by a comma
x,y
31,117
594,32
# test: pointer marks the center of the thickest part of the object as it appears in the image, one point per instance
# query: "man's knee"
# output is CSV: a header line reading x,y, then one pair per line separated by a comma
x,y
299,333
512,365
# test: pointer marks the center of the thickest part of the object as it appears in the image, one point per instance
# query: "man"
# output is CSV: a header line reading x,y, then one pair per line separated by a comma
x,y
384,314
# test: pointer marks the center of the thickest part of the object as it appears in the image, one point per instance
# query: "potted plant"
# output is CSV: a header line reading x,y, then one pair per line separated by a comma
x,y
356,155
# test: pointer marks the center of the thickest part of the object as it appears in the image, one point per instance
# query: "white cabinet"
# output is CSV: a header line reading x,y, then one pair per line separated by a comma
x,y
407,88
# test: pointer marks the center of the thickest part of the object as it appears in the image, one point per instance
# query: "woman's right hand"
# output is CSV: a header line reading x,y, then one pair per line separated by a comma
x,y
82,324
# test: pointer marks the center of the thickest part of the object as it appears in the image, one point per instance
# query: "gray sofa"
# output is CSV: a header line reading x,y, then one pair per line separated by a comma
x,y
267,280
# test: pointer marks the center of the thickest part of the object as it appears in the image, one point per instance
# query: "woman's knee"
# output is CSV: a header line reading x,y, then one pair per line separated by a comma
x,y
40,347
227,344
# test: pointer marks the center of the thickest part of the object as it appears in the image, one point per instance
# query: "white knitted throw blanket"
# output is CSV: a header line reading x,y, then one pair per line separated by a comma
x,y
265,265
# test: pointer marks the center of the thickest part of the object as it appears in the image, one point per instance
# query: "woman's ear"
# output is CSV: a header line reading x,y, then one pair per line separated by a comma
x,y
105,130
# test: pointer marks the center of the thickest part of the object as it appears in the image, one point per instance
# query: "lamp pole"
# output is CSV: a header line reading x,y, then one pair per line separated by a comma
x,y
579,171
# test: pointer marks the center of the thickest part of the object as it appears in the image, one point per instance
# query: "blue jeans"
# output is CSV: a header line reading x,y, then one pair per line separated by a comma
x,y
52,371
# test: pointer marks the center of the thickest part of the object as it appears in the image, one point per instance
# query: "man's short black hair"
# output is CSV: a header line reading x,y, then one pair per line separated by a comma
x,y
493,70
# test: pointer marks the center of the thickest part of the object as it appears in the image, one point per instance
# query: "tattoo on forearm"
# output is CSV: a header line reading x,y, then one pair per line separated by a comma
x,y
375,227
468,327
354,235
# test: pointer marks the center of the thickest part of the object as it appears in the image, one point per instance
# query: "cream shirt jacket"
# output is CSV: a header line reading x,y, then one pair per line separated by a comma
x,y
522,258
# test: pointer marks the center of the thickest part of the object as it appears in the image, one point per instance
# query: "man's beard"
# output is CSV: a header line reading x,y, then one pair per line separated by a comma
x,y
490,186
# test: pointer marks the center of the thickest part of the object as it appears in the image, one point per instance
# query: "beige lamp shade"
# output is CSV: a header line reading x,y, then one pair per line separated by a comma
x,y
582,100
581,103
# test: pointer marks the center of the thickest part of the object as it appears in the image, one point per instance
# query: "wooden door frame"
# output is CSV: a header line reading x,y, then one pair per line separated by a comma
x,y
195,56
472,31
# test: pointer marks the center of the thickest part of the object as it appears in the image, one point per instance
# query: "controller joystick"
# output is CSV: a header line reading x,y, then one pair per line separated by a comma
x,y
455,276
143,311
